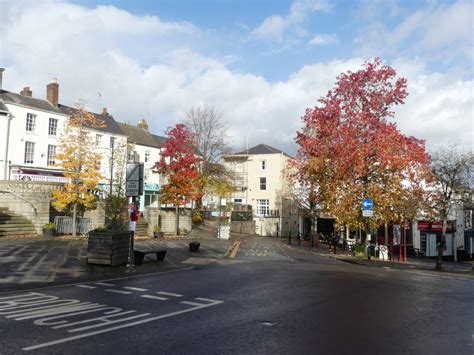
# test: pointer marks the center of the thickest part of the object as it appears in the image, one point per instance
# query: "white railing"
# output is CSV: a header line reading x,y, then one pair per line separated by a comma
x,y
64,225
42,178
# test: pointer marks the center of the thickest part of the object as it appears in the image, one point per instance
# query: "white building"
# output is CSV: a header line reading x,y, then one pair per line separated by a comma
x,y
260,183
30,129
144,147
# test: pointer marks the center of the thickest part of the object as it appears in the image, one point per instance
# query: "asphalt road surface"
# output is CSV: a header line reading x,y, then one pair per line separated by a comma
x,y
269,300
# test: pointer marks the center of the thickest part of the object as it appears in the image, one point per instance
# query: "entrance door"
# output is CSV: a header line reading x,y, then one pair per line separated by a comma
x,y
431,245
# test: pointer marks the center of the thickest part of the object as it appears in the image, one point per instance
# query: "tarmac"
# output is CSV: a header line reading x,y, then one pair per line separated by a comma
x,y
37,262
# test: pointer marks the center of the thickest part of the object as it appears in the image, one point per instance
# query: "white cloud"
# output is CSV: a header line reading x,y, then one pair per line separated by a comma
x,y
274,27
87,55
323,39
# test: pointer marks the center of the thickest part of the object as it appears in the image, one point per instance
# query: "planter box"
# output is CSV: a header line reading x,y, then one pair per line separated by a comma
x,y
48,232
108,248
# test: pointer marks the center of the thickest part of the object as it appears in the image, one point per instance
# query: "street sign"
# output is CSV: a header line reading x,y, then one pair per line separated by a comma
x,y
134,180
367,213
367,204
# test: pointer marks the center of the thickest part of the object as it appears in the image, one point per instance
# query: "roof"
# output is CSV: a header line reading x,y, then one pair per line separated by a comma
x,y
12,98
3,108
160,140
138,135
110,125
262,149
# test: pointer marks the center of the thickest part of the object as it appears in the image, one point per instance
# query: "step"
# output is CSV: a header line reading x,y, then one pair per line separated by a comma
x,y
16,226
12,218
18,233
14,221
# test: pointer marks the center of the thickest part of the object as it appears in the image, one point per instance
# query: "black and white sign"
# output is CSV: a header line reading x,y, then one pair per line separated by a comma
x,y
134,181
367,213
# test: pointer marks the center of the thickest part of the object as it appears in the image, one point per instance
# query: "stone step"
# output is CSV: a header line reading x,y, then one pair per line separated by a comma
x,y
4,217
18,233
16,226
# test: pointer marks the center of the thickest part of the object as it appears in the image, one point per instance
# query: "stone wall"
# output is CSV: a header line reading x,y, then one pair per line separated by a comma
x,y
165,218
242,227
29,199
97,216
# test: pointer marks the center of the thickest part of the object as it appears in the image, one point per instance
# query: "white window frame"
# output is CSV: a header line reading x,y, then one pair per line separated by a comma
x,y
147,156
30,122
53,127
112,142
51,160
98,140
29,157
263,207
264,183
263,165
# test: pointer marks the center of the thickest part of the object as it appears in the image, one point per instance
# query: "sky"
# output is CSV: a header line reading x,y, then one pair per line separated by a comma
x,y
259,63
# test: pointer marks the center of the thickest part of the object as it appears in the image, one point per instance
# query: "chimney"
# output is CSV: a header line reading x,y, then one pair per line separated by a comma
x,y
143,125
104,111
26,91
52,92
1,77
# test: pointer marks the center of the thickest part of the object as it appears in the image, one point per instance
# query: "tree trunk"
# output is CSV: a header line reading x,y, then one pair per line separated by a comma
x,y
176,225
442,244
74,215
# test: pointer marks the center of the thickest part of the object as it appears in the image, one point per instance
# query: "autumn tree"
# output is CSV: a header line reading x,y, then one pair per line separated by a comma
x,y
349,149
449,188
80,161
178,164
210,134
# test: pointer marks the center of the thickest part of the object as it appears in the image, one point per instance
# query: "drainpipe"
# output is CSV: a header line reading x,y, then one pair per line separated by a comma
x,y
7,142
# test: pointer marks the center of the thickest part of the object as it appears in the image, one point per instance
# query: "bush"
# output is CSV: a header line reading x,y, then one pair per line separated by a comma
x,y
183,231
197,216
359,250
50,226
100,230
156,228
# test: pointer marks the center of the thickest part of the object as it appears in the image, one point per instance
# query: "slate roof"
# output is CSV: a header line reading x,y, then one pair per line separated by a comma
x,y
3,108
160,140
10,97
110,125
262,149
138,135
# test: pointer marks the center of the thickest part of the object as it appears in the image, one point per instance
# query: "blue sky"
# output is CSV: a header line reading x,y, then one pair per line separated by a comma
x,y
259,63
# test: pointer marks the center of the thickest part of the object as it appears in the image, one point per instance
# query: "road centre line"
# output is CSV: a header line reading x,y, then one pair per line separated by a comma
x,y
135,289
104,284
86,286
169,294
155,297
142,321
118,291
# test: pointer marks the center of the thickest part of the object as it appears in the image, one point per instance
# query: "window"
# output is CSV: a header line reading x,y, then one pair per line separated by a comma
x,y
237,200
130,154
112,142
98,140
263,183
30,122
263,164
147,156
51,155
29,152
238,167
146,175
53,127
263,207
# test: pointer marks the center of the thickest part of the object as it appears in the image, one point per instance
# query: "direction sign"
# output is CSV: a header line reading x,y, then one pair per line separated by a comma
x,y
134,180
367,213
367,204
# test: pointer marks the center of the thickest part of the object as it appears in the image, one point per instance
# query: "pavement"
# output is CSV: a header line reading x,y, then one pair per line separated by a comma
x,y
426,264
36,262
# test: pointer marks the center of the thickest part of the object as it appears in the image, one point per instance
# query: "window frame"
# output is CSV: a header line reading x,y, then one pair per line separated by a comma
x,y
51,156
53,127
29,153
98,140
30,123
264,183
263,209
263,165
147,156
112,142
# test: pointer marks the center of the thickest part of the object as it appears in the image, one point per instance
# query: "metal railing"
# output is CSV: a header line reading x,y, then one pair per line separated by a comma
x,y
64,225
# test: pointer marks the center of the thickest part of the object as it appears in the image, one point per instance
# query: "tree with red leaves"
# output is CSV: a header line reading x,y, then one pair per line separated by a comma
x,y
178,164
348,150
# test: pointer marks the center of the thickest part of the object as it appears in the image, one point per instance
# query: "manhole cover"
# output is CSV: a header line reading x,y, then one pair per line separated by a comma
x,y
268,323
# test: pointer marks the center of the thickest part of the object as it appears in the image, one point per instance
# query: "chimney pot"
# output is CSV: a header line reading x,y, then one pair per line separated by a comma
x,y
52,92
143,124
26,91
104,111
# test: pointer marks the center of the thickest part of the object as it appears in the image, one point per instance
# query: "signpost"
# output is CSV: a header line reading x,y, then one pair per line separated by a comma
x,y
133,189
367,211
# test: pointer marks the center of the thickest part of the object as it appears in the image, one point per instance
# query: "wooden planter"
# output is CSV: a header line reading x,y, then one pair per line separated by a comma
x,y
108,248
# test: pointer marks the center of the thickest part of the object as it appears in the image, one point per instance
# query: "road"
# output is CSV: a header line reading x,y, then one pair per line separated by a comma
x,y
271,299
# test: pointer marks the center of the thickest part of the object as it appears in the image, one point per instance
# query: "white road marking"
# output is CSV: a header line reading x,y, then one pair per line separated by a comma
x,y
169,294
104,284
86,286
205,299
192,303
119,291
143,321
135,289
155,297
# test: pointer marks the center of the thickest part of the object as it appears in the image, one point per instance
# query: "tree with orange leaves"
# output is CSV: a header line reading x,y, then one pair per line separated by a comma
x,y
348,150
178,164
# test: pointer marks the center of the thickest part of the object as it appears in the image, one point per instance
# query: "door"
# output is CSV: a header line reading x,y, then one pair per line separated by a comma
x,y
431,245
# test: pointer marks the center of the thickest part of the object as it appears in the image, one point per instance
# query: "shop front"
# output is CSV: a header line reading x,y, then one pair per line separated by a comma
x,y
430,235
